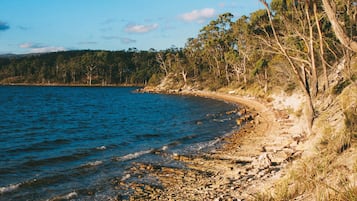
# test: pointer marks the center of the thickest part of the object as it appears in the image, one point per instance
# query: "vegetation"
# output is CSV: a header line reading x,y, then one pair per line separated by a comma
x,y
291,45
80,67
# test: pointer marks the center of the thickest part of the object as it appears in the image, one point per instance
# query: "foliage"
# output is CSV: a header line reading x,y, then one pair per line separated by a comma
x,y
80,67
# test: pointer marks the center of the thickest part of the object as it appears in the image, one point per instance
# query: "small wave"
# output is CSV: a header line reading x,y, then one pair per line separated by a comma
x,y
92,164
68,196
9,188
203,145
133,155
101,148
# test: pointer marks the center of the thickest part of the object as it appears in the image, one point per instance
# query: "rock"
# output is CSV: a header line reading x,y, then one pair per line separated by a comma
x,y
242,112
239,121
262,162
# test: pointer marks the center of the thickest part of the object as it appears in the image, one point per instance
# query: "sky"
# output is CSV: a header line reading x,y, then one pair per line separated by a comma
x,y
37,26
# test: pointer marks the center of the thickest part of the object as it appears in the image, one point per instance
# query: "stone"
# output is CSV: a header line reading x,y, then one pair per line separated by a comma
x,y
262,162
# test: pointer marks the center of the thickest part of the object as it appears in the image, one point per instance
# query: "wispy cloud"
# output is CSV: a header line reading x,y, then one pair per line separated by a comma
x,y
4,26
140,28
48,49
30,45
37,48
87,43
199,16
127,40
123,40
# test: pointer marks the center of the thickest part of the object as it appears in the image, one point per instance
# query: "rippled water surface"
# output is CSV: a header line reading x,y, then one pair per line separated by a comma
x,y
71,142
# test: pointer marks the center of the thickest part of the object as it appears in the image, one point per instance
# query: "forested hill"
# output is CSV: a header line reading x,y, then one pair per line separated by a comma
x,y
83,67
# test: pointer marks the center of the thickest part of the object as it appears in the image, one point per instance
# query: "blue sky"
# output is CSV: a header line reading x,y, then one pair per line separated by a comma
x,y
30,26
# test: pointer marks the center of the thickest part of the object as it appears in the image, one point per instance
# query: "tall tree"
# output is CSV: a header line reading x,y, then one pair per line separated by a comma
x,y
300,71
338,29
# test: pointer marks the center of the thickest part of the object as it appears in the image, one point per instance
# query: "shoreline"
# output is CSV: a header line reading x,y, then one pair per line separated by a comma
x,y
69,85
248,161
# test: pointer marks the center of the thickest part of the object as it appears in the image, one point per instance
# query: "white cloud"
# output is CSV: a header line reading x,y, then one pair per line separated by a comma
x,y
198,15
35,48
140,28
48,49
26,45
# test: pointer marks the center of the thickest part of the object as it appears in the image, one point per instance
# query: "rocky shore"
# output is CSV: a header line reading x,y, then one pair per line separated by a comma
x,y
249,160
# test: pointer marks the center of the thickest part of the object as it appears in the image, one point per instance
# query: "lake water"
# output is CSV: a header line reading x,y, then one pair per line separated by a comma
x,y
72,142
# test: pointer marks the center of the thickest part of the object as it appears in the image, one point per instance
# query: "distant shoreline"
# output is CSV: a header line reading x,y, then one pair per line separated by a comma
x,y
70,85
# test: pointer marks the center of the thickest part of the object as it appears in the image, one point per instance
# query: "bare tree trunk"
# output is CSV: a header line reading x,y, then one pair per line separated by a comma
x,y
90,69
337,28
73,76
161,61
244,70
184,76
309,112
314,80
322,51
217,67
227,73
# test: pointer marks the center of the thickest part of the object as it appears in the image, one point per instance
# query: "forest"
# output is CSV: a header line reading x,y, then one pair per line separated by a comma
x,y
81,67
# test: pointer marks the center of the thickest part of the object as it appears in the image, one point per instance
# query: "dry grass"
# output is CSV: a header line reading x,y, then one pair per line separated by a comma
x,y
328,173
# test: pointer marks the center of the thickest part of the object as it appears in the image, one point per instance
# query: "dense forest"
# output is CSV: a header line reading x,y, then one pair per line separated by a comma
x,y
83,67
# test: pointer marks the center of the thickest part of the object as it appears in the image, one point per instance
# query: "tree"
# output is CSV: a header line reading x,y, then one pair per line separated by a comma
x,y
338,29
244,45
302,76
216,39
261,71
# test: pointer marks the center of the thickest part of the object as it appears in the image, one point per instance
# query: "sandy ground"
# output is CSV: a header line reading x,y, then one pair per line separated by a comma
x,y
249,161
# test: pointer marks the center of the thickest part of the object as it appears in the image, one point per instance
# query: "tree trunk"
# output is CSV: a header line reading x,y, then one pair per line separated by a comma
x,y
337,28
227,73
314,80
244,70
322,51
302,80
309,114
184,76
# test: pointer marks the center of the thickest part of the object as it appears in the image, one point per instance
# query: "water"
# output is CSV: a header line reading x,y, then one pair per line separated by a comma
x,y
71,142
